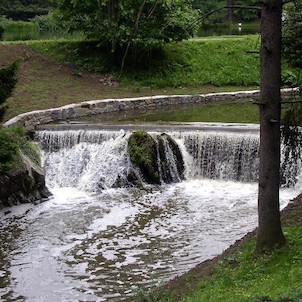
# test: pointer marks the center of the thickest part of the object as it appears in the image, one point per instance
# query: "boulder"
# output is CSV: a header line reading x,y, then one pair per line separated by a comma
x,y
142,150
26,184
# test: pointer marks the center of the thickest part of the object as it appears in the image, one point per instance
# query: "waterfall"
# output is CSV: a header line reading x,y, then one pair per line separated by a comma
x,y
88,160
92,160
228,156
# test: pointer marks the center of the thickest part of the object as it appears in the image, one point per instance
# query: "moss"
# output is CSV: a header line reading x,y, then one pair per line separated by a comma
x,y
143,154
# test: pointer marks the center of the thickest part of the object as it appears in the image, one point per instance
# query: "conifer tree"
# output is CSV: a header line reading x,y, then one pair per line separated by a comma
x,y
8,82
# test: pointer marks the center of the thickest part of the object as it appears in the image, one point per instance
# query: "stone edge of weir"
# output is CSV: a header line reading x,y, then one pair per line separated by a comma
x,y
30,120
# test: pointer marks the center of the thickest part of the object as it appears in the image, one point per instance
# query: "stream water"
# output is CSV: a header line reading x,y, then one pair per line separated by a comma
x,y
93,242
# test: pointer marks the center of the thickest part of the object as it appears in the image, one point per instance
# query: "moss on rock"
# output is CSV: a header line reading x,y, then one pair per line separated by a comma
x,y
22,179
143,154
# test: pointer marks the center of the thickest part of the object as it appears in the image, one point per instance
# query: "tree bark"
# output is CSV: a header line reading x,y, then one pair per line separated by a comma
x,y
269,228
230,11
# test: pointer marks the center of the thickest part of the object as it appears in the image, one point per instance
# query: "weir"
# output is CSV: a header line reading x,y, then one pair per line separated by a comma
x,y
96,159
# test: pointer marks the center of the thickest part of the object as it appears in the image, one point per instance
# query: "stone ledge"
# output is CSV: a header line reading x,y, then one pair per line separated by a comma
x,y
31,120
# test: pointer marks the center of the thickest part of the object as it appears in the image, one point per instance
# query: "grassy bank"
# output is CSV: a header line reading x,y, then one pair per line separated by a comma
x,y
54,73
222,62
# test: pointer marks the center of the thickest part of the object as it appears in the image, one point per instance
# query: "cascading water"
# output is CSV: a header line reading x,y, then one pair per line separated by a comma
x,y
93,160
99,237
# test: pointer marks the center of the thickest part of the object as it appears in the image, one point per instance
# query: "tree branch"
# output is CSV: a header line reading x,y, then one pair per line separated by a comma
x,y
134,31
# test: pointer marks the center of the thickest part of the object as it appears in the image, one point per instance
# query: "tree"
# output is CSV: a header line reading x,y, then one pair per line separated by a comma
x,y
292,33
23,9
114,22
230,3
269,229
7,84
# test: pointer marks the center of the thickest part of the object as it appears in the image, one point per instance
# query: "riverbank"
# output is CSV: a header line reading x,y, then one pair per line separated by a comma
x,y
237,275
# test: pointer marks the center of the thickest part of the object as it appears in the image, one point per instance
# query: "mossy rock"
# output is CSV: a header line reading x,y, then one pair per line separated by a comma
x,y
142,151
21,179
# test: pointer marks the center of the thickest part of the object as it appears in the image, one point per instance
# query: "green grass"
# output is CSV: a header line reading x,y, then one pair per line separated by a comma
x,y
276,277
197,62
203,62
228,113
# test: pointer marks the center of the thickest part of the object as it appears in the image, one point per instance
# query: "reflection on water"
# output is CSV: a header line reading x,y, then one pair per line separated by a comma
x,y
243,29
80,247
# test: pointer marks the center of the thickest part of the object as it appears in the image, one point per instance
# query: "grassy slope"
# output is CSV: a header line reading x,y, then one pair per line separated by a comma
x,y
46,72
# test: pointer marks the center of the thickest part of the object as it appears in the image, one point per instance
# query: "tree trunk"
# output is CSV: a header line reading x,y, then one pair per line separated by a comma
x,y
269,229
230,11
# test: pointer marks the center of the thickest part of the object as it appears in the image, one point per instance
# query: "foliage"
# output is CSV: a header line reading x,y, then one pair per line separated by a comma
x,y
292,33
23,9
242,15
114,22
10,25
1,32
8,152
46,22
7,83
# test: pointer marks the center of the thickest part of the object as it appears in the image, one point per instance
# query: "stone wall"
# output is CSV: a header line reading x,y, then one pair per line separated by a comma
x,y
31,120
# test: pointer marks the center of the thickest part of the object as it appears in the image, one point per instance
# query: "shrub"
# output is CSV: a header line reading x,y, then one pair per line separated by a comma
x,y
7,84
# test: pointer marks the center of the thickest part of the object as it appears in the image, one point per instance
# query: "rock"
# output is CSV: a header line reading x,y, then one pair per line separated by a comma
x,y
129,180
159,160
27,184
142,151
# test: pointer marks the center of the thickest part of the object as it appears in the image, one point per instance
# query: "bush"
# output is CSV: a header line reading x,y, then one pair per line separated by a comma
x,y
8,152
46,23
7,84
